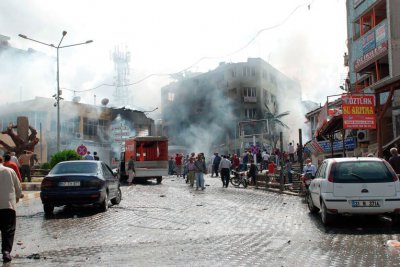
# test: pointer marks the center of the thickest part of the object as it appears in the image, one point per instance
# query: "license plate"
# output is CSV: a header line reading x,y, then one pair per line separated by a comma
x,y
365,203
74,183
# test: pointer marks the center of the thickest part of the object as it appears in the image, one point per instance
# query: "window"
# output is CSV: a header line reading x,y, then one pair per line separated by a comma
x,y
249,91
171,96
90,126
361,172
249,71
250,113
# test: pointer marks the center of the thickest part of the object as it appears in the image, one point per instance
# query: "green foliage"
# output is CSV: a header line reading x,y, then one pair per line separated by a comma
x,y
46,166
65,155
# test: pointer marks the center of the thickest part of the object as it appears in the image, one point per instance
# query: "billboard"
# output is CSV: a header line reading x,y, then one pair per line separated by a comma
x,y
358,112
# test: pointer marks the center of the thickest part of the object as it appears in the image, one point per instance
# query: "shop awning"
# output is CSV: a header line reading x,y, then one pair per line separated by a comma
x,y
391,142
334,124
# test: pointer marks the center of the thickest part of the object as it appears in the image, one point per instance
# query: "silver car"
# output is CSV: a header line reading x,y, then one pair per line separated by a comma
x,y
354,186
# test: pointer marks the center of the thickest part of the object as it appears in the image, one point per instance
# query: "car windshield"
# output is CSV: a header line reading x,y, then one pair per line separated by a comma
x,y
362,172
75,167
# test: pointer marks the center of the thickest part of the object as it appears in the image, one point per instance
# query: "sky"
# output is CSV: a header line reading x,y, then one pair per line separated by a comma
x,y
304,39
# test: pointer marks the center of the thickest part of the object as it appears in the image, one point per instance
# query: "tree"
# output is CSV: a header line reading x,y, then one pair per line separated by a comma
x,y
274,122
65,155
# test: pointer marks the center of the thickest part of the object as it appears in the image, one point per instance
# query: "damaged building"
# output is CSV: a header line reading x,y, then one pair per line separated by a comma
x,y
100,128
225,109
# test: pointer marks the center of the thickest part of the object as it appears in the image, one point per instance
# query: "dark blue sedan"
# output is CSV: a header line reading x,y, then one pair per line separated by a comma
x,y
80,182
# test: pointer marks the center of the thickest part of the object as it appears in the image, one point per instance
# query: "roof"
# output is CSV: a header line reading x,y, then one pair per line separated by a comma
x,y
334,124
354,159
150,138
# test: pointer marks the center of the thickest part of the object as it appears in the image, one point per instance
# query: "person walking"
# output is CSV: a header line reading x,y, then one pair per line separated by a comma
x,y
252,173
216,162
235,162
200,169
224,167
171,166
25,162
95,156
10,193
131,170
191,171
212,164
178,164
185,168
8,163
299,153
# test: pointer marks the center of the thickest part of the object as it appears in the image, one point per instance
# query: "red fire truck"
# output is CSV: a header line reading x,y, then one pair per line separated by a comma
x,y
150,155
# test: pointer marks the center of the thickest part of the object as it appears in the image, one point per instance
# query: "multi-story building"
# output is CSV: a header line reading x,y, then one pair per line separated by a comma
x,y
99,128
374,70
224,108
373,28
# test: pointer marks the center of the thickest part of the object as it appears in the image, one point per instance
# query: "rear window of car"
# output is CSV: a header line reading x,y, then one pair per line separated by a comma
x,y
362,172
75,167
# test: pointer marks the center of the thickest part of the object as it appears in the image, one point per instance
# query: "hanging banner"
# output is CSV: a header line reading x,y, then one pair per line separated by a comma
x,y
358,112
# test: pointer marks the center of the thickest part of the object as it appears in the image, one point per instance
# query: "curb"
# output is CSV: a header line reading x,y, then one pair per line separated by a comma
x,y
30,186
275,190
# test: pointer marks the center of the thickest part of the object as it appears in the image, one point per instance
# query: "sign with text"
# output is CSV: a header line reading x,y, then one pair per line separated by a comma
x,y
358,112
349,144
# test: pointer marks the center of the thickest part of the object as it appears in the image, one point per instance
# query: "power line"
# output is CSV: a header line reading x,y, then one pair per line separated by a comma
x,y
207,57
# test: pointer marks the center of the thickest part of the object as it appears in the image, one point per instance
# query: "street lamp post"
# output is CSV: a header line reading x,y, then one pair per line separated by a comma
x,y
57,95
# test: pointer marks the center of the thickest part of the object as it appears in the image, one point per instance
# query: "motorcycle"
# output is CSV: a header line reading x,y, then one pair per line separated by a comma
x,y
306,179
239,178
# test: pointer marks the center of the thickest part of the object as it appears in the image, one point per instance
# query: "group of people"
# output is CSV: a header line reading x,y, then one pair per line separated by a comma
x,y
22,165
89,156
192,168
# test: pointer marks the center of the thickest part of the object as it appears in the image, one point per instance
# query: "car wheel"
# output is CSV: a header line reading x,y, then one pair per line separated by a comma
x,y
310,204
118,197
104,203
48,209
325,216
159,179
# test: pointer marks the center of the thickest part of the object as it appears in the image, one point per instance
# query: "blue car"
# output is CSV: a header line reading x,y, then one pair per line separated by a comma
x,y
80,182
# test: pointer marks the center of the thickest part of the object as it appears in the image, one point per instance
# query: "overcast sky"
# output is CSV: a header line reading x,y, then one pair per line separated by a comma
x,y
167,36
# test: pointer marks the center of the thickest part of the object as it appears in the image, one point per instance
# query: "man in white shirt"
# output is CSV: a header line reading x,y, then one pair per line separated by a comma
x,y
224,167
14,159
10,193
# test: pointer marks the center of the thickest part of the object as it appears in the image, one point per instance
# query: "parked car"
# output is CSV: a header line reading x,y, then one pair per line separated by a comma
x,y
80,182
354,186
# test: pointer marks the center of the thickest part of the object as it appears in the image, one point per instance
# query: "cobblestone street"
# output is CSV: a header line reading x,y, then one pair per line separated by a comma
x,y
173,225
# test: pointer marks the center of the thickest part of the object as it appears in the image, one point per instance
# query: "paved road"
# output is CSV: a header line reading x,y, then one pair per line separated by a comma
x,y
173,225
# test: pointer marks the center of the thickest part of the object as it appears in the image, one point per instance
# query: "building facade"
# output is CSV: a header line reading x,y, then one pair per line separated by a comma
x,y
373,28
226,108
99,128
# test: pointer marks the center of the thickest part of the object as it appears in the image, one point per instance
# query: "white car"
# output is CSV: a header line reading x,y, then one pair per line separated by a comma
x,y
354,186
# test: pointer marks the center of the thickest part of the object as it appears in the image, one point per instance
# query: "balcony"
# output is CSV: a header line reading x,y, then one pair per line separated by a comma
x,y
250,99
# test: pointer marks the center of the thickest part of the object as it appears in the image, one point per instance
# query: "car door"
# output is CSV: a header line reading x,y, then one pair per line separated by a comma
x,y
315,186
110,179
